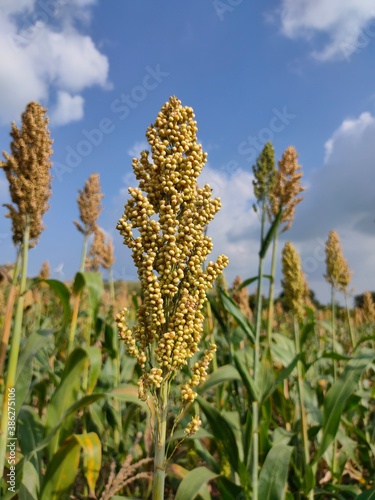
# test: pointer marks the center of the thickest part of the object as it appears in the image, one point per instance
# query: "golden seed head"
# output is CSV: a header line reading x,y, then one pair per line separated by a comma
x,y
264,173
241,297
164,224
44,272
28,171
89,203
193,426
294,282
338,273
368,308
286,190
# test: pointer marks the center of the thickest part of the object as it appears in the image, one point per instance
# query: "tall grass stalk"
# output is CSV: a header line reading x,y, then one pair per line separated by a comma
x,y
301,401
350,325
9,312
272,290
14,348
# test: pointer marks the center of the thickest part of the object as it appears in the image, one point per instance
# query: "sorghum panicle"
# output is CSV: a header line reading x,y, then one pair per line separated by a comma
x,y
164,225
338,272
264,173
28,171
287,187
89,203
294,282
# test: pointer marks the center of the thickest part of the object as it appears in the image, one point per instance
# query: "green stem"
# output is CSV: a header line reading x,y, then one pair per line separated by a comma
x,y
305,439
255,404
272,291
14,348
84,253
159,442
351,330
333,324
9,312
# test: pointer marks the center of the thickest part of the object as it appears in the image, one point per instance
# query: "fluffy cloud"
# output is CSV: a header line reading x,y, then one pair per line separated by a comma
x,y
348,24
45,58
341,197
67,109
137,148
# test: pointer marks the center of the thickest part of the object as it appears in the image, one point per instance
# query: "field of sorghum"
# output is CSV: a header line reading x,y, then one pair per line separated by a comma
x,y
178,386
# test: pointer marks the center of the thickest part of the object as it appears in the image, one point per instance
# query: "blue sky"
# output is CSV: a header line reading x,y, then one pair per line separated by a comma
x,y
295,72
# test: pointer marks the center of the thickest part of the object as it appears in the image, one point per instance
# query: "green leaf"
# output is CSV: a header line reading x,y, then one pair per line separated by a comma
x,y
337,396
30,432
94,285
270,234
238,315
221,427
33,345
223,374
63,293
192,482
65,395
92,453
95,356
29,488
274,473
127,393
367,495
242,362
62,471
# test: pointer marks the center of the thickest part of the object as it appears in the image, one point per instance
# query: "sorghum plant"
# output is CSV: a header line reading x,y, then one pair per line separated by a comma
x,y
284,196
164,225
296,295
338,275
27,170
264,180
89,204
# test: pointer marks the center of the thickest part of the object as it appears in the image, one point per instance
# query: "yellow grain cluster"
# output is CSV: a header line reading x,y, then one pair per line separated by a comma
x,y
294,281
164,225
338,273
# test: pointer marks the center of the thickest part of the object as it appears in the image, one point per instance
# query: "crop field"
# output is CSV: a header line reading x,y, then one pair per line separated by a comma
x,y
180,385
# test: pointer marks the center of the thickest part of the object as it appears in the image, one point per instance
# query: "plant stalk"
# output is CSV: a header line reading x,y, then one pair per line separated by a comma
x,y
351,330
305,439
14,348
9,313
159,443
272,290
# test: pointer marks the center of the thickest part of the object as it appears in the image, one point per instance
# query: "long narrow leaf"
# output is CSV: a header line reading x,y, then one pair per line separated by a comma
x,y
270,234
274,473
238,315
221,427
192,482
338,395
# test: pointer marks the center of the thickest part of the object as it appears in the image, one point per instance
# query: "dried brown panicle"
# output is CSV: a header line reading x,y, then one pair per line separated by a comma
x,y
294,282
89,203
287,187
28,171
338,273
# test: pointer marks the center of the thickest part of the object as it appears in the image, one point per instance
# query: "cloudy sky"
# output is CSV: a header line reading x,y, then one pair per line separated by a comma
x,y
295,72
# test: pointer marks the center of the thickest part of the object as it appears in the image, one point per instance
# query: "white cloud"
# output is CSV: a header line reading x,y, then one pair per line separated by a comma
x,y
348,24
341,197
44,63
137,148
68,108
